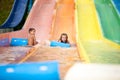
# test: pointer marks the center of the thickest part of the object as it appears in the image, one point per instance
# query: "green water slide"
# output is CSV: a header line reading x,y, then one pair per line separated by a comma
x,y
110,20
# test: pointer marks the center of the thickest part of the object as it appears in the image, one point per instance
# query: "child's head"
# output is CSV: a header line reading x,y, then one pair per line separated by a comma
x,y
64,38
32,31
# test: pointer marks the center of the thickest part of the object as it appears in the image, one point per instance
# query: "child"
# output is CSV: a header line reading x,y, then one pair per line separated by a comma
x,y
63,38
31,38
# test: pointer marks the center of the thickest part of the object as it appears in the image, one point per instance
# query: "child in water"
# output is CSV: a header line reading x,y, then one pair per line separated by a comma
x,y
31,38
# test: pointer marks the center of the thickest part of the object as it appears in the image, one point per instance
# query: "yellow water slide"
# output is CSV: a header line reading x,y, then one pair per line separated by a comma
x,y
87,25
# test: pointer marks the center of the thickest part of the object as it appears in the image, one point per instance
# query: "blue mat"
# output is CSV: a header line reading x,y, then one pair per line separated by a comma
x,y
19,42
4,42
30,71
55,44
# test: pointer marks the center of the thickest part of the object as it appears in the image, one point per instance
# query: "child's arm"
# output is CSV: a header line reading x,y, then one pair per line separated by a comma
x,y
35,42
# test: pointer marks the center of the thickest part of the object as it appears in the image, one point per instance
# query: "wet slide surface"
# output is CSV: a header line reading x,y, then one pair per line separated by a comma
x,y
110,20
100,52
89,33
65,56
64,21
12,54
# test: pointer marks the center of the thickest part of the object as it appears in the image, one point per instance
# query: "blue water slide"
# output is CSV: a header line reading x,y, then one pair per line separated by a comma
x,y
30,5
116,4
30,71
16,14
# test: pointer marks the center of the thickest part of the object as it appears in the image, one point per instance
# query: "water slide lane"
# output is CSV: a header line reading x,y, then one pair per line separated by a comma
x,y
16,14
85,25
90,36
109,20
64,21
87,21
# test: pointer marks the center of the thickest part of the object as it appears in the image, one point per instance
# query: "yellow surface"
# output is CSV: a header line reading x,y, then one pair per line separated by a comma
x,y
115,45
88,26
81,50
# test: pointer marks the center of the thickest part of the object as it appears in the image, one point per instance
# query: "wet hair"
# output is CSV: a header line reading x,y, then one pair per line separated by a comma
x,y
64,34
31,29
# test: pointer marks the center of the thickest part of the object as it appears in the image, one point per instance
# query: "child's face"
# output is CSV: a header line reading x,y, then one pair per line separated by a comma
x,y
32,32
64,38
